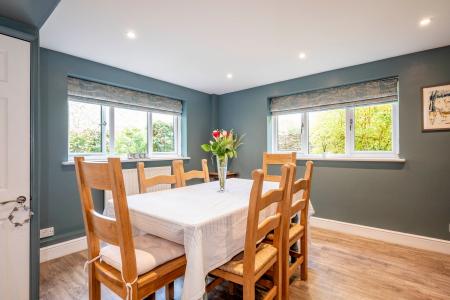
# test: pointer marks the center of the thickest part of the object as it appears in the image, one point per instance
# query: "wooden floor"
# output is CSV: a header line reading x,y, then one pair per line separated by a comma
x,y
341,267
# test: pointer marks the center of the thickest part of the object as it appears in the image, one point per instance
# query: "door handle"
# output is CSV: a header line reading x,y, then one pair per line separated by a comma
x,y
20,204
12,215
18,200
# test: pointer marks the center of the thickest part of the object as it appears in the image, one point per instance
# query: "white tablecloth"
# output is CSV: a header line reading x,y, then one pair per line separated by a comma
x,y
210,225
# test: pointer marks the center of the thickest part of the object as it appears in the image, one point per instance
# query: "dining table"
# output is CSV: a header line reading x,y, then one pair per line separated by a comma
x,y
210,224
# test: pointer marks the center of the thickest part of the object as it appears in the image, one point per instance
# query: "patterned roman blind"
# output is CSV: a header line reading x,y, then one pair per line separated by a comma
x,y
93,92
363,93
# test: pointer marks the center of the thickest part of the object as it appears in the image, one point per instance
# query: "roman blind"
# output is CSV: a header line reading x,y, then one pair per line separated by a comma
x,y
363,93
103,94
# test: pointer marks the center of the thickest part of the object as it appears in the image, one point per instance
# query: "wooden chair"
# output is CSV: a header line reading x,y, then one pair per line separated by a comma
x,y
276,159
294,232
182,177
132,273
146,183
249,266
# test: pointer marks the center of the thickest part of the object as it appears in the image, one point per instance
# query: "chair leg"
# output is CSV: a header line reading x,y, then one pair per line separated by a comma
x,y
284,288
304,265
170,291
94,285
134,291
248,291
277,280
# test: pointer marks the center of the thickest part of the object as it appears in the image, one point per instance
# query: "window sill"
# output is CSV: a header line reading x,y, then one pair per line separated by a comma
x,y
356,159
126,160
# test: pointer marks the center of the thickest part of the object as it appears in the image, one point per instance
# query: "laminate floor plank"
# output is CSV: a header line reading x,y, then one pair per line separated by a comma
x,y
341,267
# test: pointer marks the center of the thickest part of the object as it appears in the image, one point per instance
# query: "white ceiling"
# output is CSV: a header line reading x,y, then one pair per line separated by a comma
x,y
196,43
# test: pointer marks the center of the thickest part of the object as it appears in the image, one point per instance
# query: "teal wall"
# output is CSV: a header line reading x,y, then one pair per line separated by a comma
x,y
413,197
59,202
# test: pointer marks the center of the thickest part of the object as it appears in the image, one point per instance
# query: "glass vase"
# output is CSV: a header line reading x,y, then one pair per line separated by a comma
x,y
222,164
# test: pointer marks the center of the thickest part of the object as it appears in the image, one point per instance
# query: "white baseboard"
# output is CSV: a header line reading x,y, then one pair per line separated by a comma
x,y
63,249
389,236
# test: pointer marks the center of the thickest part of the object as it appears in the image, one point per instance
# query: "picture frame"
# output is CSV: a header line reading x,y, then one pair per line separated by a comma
x,y
436,107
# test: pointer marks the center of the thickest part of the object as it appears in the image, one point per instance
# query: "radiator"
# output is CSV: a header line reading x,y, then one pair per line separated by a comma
x,y
130,179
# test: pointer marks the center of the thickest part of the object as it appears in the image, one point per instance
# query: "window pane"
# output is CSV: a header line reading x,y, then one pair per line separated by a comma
x,y
130,131
163,132
84,128
373,128
289,129
327,131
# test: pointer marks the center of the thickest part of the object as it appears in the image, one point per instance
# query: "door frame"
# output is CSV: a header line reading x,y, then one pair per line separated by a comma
x,y
31,34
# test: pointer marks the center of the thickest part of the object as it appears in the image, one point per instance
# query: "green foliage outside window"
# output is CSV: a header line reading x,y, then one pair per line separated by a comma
x,y
327,132
289,129
85,141
290,141
373,128
163,139
131,140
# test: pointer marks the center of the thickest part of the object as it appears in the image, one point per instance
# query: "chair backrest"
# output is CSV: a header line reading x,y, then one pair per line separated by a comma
x,y
301,185
106,176
146,183
182,177
276,159
256,229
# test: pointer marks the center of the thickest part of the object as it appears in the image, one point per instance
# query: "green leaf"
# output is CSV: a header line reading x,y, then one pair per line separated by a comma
x,y
206,147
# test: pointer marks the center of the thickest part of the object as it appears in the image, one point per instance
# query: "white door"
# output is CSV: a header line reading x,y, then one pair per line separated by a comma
x,y
14,167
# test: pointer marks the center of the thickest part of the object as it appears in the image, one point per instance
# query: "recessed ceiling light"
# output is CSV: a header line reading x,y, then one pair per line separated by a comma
x,y
425,22
302,55
229,75
131,35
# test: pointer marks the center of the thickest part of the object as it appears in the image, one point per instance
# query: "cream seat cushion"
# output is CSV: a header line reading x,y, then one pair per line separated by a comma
x,y
151,252
264,253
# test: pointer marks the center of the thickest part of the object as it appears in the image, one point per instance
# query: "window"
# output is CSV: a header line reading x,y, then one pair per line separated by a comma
x,y
85,130
289,132
373,128
353,120
355,131
163,133
130,131
98,130
326,132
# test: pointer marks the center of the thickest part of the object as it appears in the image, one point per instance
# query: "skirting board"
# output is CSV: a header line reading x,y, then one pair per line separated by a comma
x,y
62,249
389,236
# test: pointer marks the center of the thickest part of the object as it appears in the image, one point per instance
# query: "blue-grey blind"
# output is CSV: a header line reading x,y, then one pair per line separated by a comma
x,y
364,93
93,92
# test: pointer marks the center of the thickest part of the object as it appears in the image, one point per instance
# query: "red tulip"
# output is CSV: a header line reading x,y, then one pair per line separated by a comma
x,y
216,133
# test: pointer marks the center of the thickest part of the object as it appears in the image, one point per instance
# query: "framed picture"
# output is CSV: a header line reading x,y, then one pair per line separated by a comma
x,y
436,107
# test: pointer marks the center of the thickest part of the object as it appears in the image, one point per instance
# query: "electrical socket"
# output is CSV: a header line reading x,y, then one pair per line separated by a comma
x,y
46,232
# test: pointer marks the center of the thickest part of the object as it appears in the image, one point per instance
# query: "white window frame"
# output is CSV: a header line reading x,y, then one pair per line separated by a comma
x,y
150,153
350,151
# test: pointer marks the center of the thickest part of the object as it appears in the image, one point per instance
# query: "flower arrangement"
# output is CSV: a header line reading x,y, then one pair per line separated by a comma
x,y
224,145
